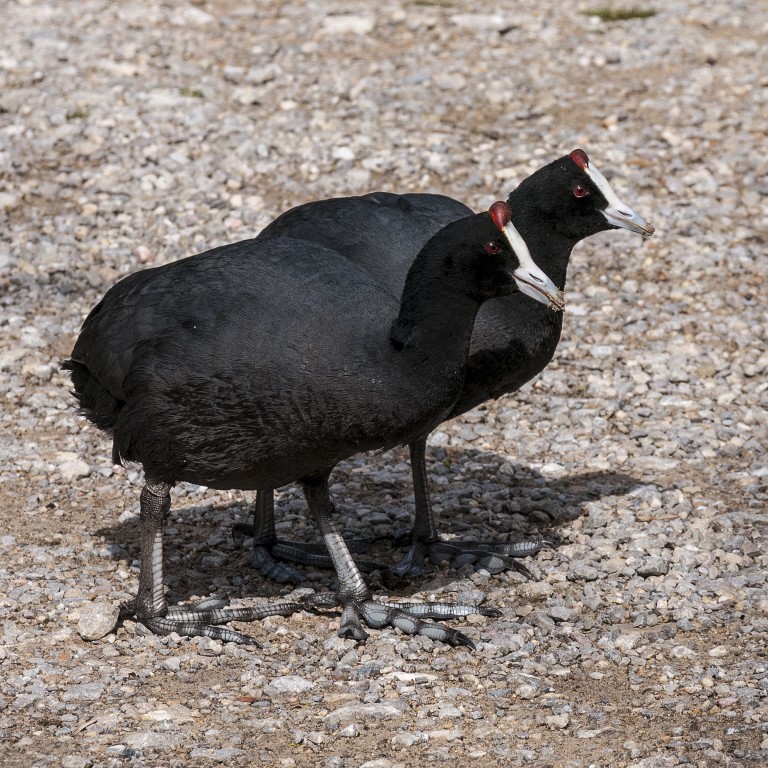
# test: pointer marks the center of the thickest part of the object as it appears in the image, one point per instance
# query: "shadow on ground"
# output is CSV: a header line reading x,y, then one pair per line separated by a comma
x,y
484,494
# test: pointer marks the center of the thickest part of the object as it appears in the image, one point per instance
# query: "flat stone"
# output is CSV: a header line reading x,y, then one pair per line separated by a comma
x,y
653,566
84,692
479,21
208,646
290,684
76,761
222,755
348,24
74,469
376,711
176,713
152,740
409,738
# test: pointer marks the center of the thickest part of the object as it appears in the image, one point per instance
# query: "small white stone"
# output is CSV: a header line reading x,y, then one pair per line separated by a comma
x,y
558,721
190,16
76,761
7,200
74,470
290,684
348,24
207,646
343,153
151,740
479,21
84,692
97,620
246,95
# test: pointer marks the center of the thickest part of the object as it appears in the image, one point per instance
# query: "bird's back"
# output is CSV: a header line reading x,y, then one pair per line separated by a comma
x,y
382,232
514,337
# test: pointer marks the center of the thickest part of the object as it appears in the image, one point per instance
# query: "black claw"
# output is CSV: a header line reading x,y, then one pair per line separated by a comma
x,y
520,568
458,639
127,610
241,532
269,568
353,633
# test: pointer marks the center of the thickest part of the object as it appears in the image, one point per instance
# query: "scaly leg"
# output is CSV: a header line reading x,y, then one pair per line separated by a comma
x,y
426,543
356,601
267,548
150,607
265,539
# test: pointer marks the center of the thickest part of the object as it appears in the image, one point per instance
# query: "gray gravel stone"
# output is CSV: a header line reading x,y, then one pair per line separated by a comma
x,y
97,620
290,684
360,711
653,566
84,692
142,740
206,646
76,761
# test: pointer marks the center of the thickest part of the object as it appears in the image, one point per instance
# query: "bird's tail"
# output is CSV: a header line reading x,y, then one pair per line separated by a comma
x,y
96,403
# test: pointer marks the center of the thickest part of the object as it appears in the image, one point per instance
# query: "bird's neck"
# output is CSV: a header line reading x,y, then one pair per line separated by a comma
x,y
434,324
549,248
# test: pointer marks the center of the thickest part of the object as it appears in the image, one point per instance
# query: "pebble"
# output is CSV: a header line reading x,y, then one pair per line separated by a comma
x,y
360,711
561,613
97,620
479,21
290,684
84,692
653,566
408,739
558,721
222,755
348,24
74,469
142,740
76,761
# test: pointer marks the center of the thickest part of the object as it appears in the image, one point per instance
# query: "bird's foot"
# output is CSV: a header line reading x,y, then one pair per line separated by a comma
x,y
266,555
203,618
491,556
263,561
409,618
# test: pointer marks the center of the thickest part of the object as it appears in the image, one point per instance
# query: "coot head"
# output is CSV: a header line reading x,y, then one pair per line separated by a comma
x,y
578,200
504,263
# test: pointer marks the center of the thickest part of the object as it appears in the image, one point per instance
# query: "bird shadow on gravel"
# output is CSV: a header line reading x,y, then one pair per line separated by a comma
x,y
478,495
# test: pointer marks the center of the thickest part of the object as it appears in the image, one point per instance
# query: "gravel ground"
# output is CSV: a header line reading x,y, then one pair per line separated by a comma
x,y
137,133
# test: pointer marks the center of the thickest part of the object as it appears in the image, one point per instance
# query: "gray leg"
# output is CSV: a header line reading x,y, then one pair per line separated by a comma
x,y
356,601
150,606
267,548
155,503
265,539
426,543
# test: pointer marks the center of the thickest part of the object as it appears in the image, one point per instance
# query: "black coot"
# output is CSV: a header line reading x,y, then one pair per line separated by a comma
x,y
265,362
513,339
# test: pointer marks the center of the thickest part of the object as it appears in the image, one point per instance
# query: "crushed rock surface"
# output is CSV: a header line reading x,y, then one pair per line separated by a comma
x,y
133,134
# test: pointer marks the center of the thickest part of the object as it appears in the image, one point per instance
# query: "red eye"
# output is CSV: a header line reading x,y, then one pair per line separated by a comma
x,y
492,248
580,191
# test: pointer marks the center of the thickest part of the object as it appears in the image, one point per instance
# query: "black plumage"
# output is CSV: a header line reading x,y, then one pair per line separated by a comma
x,y
268,361
514,338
